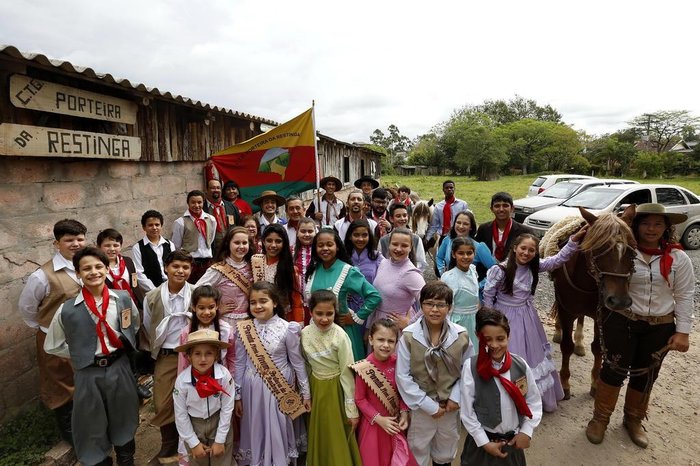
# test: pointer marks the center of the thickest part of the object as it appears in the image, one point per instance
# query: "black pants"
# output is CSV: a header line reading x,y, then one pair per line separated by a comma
x,y
630,345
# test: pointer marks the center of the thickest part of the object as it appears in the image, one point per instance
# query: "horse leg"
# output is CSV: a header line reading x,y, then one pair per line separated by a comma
x,y
567,348
556,338
579,349
597,359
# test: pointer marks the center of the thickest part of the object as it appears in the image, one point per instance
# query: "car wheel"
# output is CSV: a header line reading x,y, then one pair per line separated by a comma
x,y
691,237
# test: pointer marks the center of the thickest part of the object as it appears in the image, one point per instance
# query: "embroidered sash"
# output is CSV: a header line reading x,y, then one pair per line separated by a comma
x,y
257,263
379,384
289,400
234,275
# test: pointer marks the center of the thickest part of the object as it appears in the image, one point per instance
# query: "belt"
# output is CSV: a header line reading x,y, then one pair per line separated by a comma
x,y
496,437
106,361
166,352
651,320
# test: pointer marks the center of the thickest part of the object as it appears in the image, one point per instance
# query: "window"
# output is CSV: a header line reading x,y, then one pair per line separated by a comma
x,y
669,196
692,198
346,169
362,168
642,196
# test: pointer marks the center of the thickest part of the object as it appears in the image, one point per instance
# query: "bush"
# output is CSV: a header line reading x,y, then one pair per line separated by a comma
x,y
25,439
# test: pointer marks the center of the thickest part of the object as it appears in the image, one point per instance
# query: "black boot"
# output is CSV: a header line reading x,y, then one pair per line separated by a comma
x,y
125,453
105,462
63,420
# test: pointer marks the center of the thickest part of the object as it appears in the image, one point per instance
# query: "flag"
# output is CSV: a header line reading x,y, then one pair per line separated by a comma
x,y
282,159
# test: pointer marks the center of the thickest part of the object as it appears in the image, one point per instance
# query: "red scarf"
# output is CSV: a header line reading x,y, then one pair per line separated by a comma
x,y
219,215
200,224
205,384
118,281
666,258
500,252
101,325
447,215
486,371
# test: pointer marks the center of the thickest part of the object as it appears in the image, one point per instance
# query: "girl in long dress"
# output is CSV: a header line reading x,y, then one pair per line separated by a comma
x,y
267,435
302,255
359,243
510,288
461,277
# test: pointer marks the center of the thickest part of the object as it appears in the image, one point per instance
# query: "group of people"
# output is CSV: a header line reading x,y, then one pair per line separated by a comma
x,y
314,334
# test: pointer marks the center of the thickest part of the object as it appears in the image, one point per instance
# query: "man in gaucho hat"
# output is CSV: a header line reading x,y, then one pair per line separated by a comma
x,y
268,202
366,183
331,208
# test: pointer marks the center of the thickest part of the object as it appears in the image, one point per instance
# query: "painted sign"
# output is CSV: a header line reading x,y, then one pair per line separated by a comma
x,y
24,140
35,94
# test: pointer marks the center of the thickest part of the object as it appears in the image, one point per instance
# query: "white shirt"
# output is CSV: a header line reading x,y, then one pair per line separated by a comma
x,y
291,234
203,251
652,296
144,282
342,225
188,403
510,420
333,208
264,222
37,288
176,311
56,343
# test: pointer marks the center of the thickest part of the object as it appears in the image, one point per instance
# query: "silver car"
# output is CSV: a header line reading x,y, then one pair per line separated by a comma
x,y
615,198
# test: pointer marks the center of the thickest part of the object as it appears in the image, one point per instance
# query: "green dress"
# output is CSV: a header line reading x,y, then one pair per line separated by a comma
x,y
353,282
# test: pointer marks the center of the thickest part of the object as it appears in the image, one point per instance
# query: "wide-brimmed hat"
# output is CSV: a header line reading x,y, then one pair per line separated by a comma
x,y
203,337
326,179
358,182
659,209
273,194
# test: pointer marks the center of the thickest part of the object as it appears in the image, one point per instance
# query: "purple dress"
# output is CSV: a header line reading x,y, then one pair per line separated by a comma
x,y
368,268
399,284
527,337
268,437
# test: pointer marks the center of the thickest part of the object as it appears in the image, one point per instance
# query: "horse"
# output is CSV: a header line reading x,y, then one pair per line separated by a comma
x,y
596,277
421,216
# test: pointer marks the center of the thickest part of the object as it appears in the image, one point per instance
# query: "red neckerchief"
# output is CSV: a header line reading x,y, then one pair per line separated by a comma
x,y
293,224
101,325
500,252
486,371
200,224
447,215
205,384
666,258
118,281
220,216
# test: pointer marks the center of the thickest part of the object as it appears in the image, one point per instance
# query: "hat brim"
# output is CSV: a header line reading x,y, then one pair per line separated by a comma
x,y
278,199
324,180
358,183
674,218
218,343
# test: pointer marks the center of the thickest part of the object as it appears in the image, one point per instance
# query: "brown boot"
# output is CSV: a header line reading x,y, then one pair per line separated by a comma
x,y
605,401
168,447
636,404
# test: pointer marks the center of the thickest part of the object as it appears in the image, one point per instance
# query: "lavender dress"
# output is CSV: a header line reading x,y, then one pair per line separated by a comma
x,y
368,268
399,284
527,336
268,437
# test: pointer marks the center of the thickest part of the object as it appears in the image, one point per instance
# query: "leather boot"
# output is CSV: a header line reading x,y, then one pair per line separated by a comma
x,y
105,462
605,401
64,416
636,404
125,453
168,446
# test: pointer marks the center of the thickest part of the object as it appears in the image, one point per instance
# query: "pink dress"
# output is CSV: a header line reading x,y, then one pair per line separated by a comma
x,y
376,446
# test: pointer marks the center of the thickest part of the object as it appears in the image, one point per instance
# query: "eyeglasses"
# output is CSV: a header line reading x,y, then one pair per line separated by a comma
x,y
432,305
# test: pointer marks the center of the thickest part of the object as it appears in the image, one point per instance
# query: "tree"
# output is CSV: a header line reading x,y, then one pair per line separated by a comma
x,y
517,108
426,151
613,155
477,147
662,127
396,144
648,164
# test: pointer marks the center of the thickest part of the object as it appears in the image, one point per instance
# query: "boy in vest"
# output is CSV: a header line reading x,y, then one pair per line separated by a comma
x,y
150,251
429,363
204,401
194,232
501,405
96,330
46,289
165,314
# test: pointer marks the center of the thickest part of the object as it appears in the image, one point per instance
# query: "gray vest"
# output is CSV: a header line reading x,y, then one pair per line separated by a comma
x,y
487,397
81,334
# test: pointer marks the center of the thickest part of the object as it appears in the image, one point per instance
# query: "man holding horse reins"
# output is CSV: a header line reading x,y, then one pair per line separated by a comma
x,y
636,340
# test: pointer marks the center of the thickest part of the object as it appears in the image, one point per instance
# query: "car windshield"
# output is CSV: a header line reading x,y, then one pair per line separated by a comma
x,y
561,190
539,181
594,198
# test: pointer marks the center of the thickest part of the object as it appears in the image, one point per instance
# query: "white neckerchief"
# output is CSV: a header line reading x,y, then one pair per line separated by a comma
x,y
168,312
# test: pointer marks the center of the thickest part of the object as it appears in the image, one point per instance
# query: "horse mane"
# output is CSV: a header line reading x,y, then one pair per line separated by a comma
x,y
609,228
420,218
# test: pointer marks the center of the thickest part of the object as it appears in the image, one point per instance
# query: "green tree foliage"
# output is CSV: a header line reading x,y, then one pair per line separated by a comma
x,y
613,154
395,143
478,147
648,165
517,108
663,127
426,151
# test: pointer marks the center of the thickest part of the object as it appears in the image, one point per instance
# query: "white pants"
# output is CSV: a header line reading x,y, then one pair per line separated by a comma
x,y
433,439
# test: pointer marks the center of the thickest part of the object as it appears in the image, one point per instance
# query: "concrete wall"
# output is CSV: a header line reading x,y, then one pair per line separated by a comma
x,y
34,194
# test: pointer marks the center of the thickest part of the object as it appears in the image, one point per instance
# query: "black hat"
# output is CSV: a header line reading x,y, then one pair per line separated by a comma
x,y
359,181
326,179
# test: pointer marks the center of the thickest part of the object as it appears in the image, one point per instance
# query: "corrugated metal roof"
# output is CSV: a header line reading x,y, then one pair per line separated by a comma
x,y
68,67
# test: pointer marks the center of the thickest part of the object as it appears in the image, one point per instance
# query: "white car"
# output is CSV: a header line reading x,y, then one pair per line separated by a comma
x,y
557,194
545,181
614,198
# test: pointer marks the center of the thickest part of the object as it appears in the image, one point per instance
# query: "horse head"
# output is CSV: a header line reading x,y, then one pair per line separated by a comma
x,y
421,216
609,247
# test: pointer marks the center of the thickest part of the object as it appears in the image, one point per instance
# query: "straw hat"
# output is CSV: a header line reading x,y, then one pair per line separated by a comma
x,y
358,182
203,337
273,194
326,179
659,209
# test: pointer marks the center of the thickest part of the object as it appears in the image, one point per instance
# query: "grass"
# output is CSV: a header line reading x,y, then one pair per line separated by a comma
x,y
27,437
478,193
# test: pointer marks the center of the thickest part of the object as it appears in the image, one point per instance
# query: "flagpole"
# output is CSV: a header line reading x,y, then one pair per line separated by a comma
x,y
318,166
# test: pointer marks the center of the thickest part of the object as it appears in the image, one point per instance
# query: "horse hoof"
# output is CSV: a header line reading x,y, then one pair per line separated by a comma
x,y
593,391
579,350
567,393
556,338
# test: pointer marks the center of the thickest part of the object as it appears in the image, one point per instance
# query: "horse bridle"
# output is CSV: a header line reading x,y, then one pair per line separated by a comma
x,y
595,272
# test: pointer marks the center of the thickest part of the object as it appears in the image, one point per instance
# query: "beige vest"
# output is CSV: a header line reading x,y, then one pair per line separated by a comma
x,y
190,234
61,289
440,390
157,310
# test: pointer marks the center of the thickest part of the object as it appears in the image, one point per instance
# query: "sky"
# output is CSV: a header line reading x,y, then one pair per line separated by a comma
x,y
369,64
